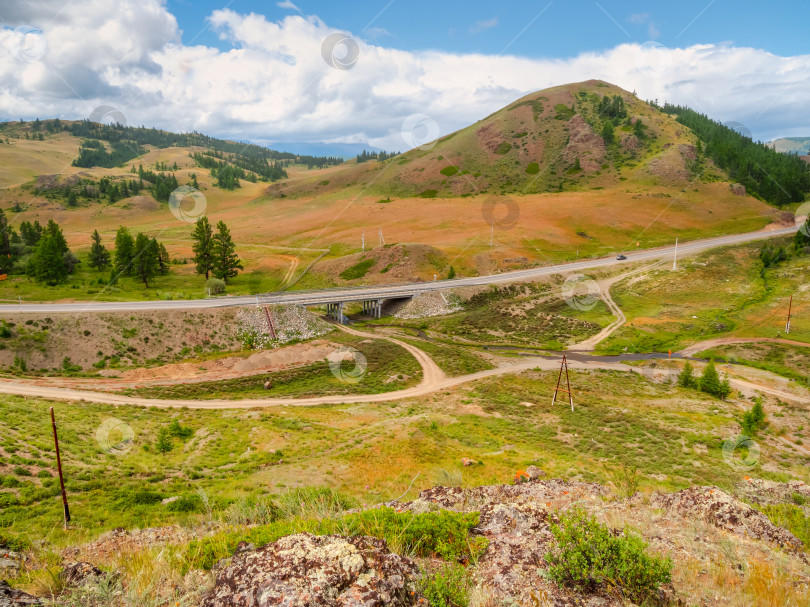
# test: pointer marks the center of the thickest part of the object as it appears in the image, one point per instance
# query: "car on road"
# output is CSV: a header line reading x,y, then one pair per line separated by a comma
x,y
621,257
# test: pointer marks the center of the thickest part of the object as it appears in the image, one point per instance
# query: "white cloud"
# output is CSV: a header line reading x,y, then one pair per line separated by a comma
x,y
288,5
480,26
274,84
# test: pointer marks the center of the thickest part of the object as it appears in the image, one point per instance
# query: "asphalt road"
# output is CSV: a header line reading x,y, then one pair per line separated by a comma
x,y
403,290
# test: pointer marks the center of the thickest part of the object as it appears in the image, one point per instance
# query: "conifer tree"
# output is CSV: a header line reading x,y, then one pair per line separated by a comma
x,y
226,262
203,246
99,255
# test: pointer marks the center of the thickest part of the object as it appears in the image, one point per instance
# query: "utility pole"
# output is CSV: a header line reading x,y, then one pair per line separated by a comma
x,y
675,261
563,365
59,467
364,240
382,238
790,309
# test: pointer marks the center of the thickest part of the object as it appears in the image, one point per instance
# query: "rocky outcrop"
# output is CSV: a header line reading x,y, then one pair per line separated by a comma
x,y
738,189
722,510
9,597
313,571
516,519
585,144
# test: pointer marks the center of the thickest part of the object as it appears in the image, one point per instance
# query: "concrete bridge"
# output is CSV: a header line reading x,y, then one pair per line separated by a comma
x,y
371,307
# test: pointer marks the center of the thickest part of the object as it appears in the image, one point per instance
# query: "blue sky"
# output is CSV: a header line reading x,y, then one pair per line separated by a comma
x,y
562,28
258,71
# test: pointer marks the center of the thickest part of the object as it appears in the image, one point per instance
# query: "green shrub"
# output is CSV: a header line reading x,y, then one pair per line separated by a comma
x,y
358,270
142,497
215,285
588,555
503,148
20,471
428,193
182,432
446,587
533,168
449,170
790,517
11,542
186,503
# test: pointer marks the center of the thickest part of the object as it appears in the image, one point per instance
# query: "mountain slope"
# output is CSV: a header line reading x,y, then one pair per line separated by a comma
x,y
549,141
791,145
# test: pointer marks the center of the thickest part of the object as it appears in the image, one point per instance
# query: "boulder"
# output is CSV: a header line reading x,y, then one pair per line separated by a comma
x,y
10,562
534,472
9,597
738,189
308,570
76,574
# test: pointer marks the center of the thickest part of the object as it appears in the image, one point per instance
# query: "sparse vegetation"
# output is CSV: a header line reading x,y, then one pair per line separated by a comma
x,y
589,555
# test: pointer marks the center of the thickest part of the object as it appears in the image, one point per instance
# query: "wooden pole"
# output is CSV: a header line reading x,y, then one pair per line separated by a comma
x,y
563,365
59,467
790,310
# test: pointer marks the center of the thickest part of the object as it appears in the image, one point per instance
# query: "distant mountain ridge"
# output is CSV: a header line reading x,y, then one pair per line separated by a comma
x,y
791,145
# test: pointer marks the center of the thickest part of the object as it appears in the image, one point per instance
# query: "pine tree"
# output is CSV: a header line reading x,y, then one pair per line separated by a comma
x,y
145,260
203,244
163,259
685,378
53,229
711,384
47,262
754,419
5,244
99,255
226,261
124,251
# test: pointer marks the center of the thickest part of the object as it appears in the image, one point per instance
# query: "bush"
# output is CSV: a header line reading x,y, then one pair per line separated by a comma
x,y
215,285
358,270
503,148
589,555
792,518
532,168
186,503
143,497
446,587
182,432
449,170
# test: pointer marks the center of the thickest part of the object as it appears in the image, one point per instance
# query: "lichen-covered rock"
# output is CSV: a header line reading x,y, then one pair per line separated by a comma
x,y
313,571
722,510
9,597
76,574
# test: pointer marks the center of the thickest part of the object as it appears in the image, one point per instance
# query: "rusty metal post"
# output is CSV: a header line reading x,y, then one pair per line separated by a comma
x,y
59,467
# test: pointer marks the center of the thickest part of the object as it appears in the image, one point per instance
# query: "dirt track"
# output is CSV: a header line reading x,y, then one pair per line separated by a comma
x,y
434,380
724,341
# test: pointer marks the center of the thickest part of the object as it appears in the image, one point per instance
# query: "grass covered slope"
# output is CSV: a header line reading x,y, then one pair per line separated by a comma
x,y
721,293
